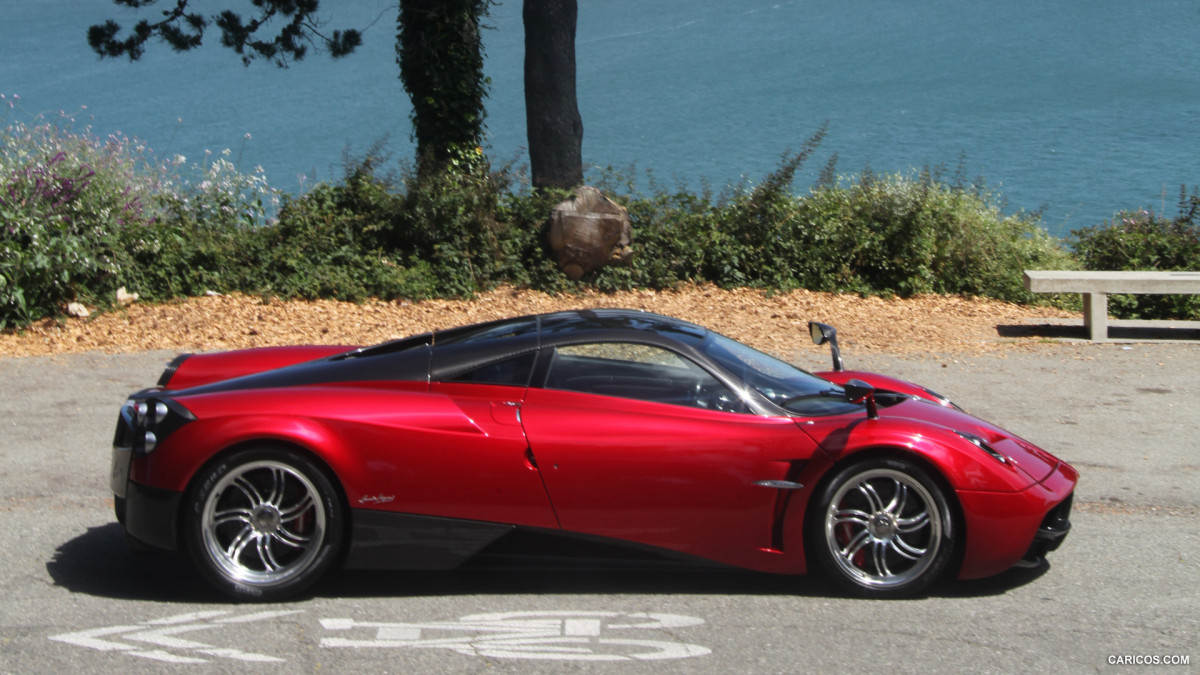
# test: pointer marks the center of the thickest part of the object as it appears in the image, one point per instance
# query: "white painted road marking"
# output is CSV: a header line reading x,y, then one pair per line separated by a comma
x,y
164,632
564,636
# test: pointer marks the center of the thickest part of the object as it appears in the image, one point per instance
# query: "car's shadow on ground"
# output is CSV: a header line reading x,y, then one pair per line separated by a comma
x,y
545,581
100,563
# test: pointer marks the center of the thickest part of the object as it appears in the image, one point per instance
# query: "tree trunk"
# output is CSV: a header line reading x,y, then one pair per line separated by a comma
x,y
553,124
440,53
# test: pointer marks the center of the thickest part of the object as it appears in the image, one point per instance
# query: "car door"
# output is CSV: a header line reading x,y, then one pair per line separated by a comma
x,y
490,475
486,471
639,443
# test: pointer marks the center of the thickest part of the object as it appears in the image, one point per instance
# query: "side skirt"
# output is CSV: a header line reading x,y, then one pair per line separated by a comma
x,y
382,540
395,541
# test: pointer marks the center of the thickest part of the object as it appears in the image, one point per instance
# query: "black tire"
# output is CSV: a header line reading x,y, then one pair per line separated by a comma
x,y
263,524
882,528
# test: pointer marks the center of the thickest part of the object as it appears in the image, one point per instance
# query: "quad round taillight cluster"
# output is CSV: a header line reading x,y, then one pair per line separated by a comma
x,y
146,422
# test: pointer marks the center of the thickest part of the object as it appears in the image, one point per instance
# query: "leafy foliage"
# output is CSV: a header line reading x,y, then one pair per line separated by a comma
x,y
296,21
324,246
62,199
913,235
879,235
440,53
82,216
1141,240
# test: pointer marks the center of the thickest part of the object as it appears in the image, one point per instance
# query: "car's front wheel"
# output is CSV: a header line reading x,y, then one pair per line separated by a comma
x,y
882,528
263,523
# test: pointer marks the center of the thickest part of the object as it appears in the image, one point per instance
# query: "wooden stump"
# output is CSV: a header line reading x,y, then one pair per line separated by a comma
x,y
589,231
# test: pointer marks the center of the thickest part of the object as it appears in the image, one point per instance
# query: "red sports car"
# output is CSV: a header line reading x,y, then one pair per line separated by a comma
x,y
269,467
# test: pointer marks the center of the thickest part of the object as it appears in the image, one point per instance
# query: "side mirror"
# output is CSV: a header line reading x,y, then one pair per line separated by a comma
x,y
857,390
822,333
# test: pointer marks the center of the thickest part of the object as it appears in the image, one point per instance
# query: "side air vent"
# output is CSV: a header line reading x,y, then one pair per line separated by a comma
x,y
983,445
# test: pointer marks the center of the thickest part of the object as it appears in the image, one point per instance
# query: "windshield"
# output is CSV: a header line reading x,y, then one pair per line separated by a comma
x,y
785,385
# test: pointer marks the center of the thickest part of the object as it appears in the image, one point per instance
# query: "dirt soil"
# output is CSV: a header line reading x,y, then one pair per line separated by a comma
x,y
775,323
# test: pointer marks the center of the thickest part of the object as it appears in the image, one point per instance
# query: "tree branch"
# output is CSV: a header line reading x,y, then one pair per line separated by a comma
x,y
185,31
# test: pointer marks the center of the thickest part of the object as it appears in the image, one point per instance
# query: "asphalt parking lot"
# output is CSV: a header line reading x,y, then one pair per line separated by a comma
x,y
1120,591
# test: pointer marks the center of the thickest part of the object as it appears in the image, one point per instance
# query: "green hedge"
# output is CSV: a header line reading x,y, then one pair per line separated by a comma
x,y
890,235
83,216
1140,240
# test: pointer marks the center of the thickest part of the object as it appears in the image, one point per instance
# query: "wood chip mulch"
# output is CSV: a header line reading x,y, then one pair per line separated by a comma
x,y
775,323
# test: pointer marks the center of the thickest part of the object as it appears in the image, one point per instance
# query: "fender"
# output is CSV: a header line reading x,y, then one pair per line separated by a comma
x,y
173,464
390,448
998,498
306,417
959,461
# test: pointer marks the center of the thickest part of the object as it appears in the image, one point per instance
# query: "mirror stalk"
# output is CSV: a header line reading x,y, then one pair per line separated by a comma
x,y
857,390
822,333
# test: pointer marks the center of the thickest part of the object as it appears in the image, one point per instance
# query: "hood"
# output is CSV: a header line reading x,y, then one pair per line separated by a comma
x,y
915,422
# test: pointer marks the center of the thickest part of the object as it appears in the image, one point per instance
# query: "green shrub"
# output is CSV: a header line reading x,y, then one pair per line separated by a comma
x,y
443,233
449,222
63,200
202,235
524,254
328,244
673,239
912,235
83,216
879,235
1141,240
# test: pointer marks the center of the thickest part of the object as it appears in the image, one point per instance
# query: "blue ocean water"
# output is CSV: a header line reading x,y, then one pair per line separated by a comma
x,y
1077,107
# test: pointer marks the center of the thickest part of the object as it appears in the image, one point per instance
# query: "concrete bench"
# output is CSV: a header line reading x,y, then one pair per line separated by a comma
x,y
1095,287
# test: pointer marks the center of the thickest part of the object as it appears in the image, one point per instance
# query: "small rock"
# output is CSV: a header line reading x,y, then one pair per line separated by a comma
x,y
125,298
78,311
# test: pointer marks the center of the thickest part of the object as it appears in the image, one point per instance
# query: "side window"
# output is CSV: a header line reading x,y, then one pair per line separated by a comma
x,y
638,371
513,372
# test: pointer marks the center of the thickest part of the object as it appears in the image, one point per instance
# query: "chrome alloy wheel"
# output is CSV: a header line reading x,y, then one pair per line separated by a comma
x,y
263,523
883,528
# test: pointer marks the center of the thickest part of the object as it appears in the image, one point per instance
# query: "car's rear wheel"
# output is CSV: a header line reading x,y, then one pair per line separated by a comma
x,y
882,528
263,523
